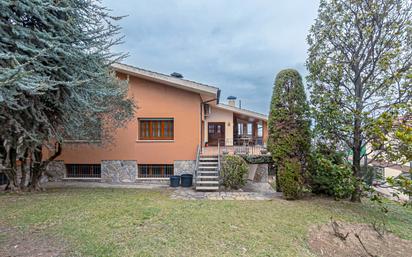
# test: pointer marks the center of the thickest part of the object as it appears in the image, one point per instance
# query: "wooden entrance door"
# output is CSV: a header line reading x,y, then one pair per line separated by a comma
x,y
216,132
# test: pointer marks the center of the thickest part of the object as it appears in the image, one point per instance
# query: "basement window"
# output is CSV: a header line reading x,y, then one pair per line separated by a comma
x,y
83,171
3,179
155,170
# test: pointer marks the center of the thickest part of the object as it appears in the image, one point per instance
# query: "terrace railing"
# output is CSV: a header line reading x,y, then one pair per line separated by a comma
x,y
246,146
198,151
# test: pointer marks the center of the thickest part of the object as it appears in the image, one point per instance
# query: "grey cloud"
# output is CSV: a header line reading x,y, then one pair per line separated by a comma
x,y
238,46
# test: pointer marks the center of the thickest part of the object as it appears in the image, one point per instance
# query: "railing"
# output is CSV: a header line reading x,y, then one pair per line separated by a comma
x,y
218,158
245,146
155,170
83,171
197,161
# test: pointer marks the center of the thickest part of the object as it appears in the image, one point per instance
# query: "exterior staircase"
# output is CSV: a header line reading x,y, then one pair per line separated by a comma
x,y
207,173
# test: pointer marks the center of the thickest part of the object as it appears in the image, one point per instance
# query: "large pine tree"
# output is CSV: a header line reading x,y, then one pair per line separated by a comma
x,y
289,131
55,78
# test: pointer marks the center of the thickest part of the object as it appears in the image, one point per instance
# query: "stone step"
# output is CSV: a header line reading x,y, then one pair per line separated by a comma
x,y
208,174
207,188
208,158
208,163
208,168
207,177
209,182
214,171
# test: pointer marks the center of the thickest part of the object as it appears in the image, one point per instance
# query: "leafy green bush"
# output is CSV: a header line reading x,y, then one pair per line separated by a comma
x,y
257,159
234,169
290,179
332,179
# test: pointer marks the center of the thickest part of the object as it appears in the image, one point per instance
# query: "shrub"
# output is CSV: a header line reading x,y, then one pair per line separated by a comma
x,y
257,159
332,179
290,179
234,169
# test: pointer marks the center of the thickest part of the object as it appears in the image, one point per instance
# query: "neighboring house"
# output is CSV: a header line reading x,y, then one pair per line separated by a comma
x,y
175,118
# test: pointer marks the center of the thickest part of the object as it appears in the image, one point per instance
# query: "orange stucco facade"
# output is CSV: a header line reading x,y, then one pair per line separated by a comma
x,y
164,97
154,100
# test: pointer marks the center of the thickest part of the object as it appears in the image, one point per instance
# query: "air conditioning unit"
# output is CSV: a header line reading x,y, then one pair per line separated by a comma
x,y
207,110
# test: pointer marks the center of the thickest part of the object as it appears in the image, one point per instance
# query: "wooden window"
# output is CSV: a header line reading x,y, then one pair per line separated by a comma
x,y
155,170
83,170
156,129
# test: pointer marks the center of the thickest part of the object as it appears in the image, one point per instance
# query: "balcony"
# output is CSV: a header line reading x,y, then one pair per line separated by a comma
x,y
239,145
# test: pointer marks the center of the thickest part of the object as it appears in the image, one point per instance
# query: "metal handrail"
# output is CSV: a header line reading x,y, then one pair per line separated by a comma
x,y
218,158
197,162
241,146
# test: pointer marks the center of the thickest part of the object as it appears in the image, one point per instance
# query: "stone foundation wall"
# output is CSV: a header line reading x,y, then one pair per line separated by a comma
x,y
182,167
119,171
258,173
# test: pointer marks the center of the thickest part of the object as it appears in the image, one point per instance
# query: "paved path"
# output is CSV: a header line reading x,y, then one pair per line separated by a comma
x,y
178,193
191,194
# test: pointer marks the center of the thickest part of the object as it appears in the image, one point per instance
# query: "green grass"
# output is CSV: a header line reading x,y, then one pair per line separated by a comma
x,y
120,222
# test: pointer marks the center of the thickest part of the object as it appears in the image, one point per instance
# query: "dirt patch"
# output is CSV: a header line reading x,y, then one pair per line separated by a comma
x,y
324,242
14,243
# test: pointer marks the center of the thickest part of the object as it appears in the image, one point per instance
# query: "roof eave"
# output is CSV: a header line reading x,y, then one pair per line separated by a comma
x,y
165,79
243,111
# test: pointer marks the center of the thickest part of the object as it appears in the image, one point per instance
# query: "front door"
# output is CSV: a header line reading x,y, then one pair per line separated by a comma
x,y
216,132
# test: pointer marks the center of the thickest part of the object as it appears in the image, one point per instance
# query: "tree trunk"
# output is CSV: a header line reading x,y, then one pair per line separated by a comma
x,y
36,170
39,166
23,161
10,170
357,137
356,195
23,173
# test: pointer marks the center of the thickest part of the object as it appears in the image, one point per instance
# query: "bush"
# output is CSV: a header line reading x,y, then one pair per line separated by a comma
x,y
234,169
332,179
290,179
257,159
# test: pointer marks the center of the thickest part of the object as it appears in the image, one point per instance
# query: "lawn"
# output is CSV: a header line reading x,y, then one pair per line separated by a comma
x,y
130,222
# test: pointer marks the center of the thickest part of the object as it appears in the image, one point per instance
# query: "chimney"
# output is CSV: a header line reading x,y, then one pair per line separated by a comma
x,y
231,100
176,75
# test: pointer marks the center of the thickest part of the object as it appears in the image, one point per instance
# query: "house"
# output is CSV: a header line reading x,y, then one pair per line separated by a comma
x,y
180,126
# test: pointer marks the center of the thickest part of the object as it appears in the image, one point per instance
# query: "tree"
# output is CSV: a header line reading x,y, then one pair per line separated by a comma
x,y
55,80
289,131
360,56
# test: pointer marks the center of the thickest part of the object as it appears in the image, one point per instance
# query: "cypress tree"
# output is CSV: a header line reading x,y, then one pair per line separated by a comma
x,y
289,132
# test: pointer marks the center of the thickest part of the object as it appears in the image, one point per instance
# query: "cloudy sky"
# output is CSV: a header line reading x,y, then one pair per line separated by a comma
x,y
238,46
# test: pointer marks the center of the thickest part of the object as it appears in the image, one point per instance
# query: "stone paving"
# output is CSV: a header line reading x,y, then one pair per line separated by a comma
x,y
191,194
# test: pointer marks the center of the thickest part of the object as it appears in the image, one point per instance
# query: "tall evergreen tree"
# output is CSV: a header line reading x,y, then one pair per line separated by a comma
x,y
289,131
360,56
55,78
